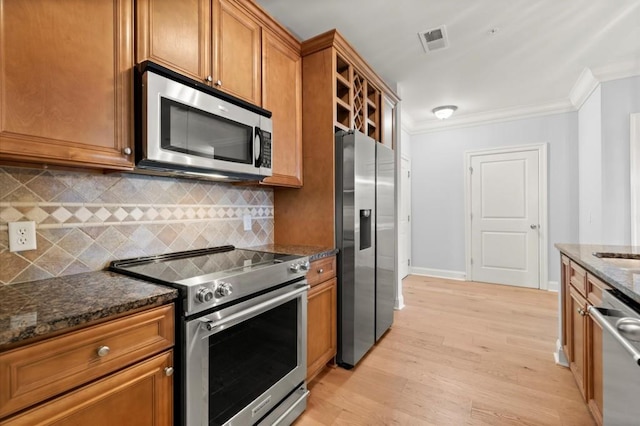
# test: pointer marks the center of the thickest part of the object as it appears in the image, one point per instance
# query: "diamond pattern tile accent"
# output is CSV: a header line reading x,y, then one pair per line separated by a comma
x,y
10,214
120,214
136,213
37,214
102,214
83,214
61,215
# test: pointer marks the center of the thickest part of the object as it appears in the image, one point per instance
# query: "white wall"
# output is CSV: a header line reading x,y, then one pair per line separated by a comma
x,y
620,98
438,240
590,169
405,147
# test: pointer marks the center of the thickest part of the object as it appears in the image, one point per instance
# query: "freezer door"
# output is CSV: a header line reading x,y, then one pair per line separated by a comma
x,y
385,239
355,229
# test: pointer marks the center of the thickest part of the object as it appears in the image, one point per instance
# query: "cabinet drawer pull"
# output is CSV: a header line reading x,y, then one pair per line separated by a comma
x,y
168,371
103,351
320,270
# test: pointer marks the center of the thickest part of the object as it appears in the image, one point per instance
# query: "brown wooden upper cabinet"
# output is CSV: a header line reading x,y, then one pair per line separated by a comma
x,y
282,95
214,41
66,95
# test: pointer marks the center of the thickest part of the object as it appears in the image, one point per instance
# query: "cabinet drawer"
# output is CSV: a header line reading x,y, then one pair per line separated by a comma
x,y
321,270
35,372
595,287
579,279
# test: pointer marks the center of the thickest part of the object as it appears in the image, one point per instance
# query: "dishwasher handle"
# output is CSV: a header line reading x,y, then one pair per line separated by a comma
x,y
606,325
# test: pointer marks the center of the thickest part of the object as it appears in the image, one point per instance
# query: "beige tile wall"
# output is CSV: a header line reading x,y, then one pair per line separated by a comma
x,y
83,220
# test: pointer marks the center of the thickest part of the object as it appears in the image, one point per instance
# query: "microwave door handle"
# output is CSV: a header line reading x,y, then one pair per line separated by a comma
x,y
257,146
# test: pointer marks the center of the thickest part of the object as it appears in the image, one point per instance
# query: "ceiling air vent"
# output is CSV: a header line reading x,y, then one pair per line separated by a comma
x,y
434,39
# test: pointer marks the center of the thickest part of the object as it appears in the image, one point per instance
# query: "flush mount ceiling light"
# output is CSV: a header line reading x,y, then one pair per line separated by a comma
x,y
444,112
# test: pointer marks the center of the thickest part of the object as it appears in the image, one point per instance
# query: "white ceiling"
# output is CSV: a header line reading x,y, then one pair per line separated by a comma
x,y
529,67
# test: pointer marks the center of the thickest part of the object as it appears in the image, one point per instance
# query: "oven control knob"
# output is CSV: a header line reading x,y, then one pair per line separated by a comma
x,y
294,267
204,295
224,290
304,266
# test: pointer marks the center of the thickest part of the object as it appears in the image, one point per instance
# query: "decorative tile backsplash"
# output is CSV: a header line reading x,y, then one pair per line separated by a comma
x,y
85,220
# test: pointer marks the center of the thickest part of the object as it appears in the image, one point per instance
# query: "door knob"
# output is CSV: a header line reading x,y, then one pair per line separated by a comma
x,y
533,226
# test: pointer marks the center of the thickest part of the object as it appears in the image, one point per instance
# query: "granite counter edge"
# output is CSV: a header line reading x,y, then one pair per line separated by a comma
x,y
569,250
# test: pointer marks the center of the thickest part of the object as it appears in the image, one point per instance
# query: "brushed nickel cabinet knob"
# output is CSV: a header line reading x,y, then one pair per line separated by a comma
x,y
208,79
168,371
103,351
127,151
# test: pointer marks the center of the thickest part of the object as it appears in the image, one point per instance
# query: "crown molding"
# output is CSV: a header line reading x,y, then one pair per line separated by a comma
x,y
584,86
489,117
624,69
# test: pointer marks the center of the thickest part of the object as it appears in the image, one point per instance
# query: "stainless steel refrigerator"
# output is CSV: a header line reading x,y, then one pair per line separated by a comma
x,y
365,237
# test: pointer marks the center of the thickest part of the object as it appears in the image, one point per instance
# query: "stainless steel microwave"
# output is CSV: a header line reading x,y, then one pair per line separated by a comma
x,y
188,128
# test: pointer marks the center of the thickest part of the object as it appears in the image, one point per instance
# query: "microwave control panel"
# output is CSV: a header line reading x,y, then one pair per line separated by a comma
x,y
266,150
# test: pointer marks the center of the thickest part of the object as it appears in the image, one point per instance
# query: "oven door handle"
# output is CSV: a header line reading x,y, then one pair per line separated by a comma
x,y
214,326
606,325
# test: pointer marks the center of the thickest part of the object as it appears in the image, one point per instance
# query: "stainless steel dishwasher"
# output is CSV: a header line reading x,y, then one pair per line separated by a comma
x,y
621,360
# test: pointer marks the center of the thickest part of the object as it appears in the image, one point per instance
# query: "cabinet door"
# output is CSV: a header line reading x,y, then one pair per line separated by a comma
x,y
282,95
140,395
66,73
321,326
578,338
594,373
237,52
175,34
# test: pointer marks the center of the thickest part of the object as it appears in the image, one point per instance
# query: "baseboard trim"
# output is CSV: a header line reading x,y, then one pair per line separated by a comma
x,y
399,304
439,273
553,286
559,356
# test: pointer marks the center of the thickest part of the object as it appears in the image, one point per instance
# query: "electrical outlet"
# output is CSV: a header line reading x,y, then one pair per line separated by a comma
x,y
246,219
22,236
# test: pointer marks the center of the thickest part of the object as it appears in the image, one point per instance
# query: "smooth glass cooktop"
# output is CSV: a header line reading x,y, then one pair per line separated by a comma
x,y
185,266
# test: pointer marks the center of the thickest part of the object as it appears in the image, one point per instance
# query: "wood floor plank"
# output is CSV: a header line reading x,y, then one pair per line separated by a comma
x,y
460,353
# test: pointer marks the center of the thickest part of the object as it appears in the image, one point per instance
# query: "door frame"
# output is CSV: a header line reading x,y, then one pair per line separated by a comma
x,y
541,148
634,172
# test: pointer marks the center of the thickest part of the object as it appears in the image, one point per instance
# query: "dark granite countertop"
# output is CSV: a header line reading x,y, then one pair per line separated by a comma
x,y
38,308
313,252
624,280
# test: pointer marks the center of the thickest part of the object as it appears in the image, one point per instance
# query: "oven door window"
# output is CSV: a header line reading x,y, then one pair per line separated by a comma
x,y
247,359
195,132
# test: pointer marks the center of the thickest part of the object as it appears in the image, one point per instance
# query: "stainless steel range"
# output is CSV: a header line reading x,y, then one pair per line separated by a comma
x,y
241,335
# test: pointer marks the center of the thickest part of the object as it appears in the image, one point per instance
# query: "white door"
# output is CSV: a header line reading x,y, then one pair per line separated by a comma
x,y
404,232
505,218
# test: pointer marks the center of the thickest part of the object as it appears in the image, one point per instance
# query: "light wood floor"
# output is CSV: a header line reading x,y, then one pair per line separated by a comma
x,y
459,353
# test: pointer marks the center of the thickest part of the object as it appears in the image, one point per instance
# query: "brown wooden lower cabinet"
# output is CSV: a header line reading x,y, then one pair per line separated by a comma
x,y
582,336
140,395
113,373
322,342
